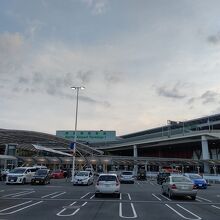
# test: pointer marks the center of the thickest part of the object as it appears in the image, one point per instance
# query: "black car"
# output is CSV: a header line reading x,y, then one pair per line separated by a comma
x,y
161,177
42,176
141,175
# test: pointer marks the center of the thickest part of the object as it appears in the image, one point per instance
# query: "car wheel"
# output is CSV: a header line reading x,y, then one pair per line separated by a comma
x,y
170,194
97,195
118,195
193,197
162,191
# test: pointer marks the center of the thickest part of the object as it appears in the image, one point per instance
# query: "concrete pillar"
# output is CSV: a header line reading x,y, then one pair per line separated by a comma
x,y
135,155
205,154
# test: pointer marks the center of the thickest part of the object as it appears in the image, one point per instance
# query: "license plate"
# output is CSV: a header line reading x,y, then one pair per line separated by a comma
x,y
11,180
37,181
200,184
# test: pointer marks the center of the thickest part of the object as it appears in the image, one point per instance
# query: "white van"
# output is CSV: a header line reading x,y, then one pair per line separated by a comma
x,y
20,175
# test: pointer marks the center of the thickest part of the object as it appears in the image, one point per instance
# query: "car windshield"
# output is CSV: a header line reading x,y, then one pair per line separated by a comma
x,y
41,172
127,173
107,178
195,176
17,170
82,174
180,179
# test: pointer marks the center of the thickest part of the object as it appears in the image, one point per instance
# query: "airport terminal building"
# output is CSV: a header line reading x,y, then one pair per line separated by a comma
x,y
192,145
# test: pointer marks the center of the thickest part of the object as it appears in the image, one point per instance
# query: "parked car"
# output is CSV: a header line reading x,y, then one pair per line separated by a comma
x,y
107,184
179,186
57,174
161,177
127,177
198,180
83,178
141,175
20,175
42,176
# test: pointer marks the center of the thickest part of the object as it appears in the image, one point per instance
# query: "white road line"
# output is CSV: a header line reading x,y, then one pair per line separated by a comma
x,y
165,197
92,197
71,214
156,197
204,199
9,213
198,200
84,195
58,195
15,206
129,196
120,196
49,195
12,194
133,209
215,207
22,194
151,183
198,218
2,190
84,204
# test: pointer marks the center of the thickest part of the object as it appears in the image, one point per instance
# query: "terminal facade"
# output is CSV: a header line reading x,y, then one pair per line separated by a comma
x,y
190,146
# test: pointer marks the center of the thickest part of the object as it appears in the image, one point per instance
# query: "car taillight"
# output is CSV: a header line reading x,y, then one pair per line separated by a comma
x,y
173,186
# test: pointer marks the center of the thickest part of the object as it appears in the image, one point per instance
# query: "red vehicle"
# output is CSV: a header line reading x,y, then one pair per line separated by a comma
x,y
57,174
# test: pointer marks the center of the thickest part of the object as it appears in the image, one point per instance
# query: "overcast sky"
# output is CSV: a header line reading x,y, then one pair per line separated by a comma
x,y
143,62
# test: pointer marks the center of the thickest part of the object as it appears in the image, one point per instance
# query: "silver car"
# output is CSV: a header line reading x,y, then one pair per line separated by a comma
x,y
107,184
127,177
179,186
83,178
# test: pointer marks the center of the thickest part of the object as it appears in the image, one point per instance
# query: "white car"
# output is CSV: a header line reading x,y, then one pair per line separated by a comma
x,y
107,184
83,178
127,177
20,175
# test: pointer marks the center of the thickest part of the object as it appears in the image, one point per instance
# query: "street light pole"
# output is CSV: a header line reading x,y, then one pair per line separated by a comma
x,y
77,88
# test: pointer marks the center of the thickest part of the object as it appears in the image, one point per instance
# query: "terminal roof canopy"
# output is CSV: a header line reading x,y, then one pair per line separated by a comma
x,y
8,136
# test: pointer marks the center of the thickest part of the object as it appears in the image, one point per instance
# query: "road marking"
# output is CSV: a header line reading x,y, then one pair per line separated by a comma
x,y
68,207
215,206
198,200
84,204
133,210
165,197
85,195
178,213
156,197
189,211
13,194
129,196
49,195
15,206
204,199
92,197
120,196
9,213
2,190
58,195
22,194
152,183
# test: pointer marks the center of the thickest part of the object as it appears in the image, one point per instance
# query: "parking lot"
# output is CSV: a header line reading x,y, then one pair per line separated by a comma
x,y
142,200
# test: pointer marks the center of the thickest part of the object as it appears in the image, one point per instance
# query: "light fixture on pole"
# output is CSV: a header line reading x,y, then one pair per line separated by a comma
x,y
77,88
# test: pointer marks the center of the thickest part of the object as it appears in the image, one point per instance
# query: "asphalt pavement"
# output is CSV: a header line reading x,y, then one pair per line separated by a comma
x,y
142,200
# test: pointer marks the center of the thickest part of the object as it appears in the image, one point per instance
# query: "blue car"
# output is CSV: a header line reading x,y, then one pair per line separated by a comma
x,y
198,181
